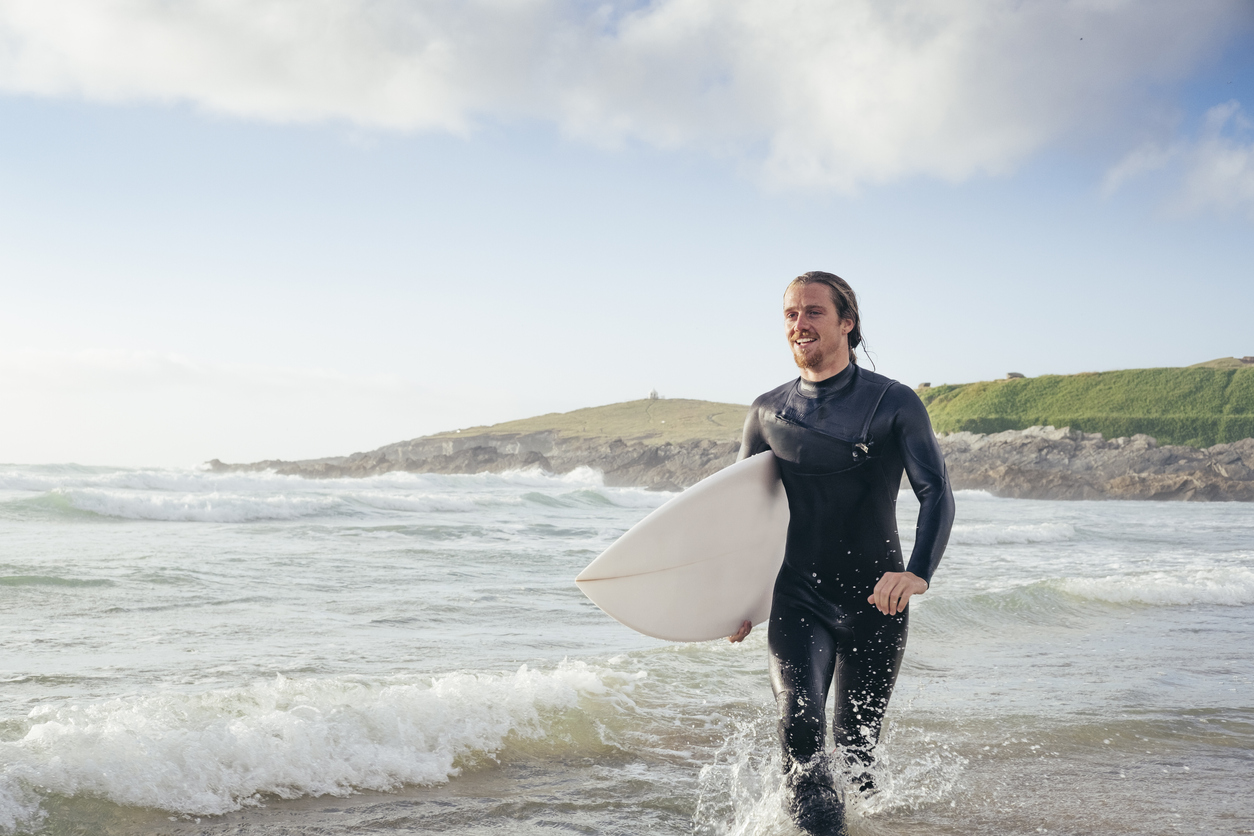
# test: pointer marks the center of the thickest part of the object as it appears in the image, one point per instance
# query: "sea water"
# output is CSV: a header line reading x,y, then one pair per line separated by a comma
x,y
187,652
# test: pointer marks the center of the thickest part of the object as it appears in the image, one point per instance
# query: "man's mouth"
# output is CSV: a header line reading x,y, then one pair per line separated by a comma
x,y
803,340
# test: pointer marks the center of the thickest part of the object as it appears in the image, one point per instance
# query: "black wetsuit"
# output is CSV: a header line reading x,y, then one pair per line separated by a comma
x,y
842,444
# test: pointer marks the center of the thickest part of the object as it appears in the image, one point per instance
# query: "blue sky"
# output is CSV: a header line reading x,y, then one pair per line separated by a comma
x,y
283,230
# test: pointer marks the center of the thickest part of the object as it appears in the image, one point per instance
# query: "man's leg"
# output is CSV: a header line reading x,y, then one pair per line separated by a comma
x,y
802,659
866,672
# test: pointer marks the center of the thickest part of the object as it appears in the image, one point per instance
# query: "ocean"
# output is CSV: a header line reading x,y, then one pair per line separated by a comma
x,y
183,652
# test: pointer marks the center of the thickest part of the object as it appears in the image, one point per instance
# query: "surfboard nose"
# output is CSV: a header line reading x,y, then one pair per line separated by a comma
x,y
698,566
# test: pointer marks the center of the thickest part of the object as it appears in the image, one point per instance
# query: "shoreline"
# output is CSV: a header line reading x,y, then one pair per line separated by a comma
x,y
1036,463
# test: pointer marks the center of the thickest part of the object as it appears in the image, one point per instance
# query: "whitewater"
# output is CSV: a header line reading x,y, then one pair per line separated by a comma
x,y
187,652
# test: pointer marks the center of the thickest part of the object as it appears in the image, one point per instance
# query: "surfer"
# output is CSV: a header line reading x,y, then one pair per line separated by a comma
x,y
842,436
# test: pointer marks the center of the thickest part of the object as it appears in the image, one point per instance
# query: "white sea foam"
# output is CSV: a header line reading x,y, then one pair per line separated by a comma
x,y
427,502
195,481
586,476
18,807
974,495
229,507
213,752
198,507
987,534
202,496
1228,587
46,478
740,792
637,497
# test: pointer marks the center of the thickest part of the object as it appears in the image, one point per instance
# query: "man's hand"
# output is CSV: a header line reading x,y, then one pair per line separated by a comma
x,y
893,591
742,633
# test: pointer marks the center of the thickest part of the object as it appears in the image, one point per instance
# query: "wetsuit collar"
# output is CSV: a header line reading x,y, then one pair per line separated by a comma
x,y
828,386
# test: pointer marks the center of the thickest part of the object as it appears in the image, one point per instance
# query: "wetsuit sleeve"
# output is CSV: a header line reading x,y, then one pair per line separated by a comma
x,y
753,441
925,466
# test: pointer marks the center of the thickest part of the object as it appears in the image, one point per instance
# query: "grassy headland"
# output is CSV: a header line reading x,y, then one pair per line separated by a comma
x,y
658,420
671,444
1203,405
1200,406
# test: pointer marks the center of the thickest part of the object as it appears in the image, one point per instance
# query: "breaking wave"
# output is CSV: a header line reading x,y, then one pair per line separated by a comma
x,y
201,496
217,751
1231,587
990,534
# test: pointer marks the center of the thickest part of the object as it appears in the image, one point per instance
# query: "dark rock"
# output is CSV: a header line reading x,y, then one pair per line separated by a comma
x,y
634,463
1045,463
1036,463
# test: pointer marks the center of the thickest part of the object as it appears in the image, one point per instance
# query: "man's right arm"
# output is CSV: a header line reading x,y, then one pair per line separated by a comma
x,y
752,440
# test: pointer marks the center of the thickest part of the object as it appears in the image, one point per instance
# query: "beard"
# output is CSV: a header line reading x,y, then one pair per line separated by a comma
x,y
811,360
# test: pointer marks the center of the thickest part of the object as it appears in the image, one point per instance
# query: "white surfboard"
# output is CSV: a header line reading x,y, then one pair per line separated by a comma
x,y
697,567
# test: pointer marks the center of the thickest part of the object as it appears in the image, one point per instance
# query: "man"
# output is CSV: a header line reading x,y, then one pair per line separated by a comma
x,y
842,437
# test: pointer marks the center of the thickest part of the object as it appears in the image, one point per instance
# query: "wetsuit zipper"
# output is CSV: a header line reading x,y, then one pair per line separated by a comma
x,y
864,445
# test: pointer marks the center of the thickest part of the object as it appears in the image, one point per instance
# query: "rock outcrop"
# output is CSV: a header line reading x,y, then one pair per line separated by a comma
x,y
1048,463
668,466
1037,463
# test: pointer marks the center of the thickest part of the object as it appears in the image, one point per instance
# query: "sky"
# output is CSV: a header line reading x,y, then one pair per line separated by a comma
x,y
284,229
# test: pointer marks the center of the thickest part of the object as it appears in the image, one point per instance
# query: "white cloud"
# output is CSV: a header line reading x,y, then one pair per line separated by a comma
x,y
832,93
1220,171
1212,172
1138,162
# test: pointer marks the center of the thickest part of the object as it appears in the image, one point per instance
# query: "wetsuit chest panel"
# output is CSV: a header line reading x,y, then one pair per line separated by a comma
x,y
809,450
841,413
839,418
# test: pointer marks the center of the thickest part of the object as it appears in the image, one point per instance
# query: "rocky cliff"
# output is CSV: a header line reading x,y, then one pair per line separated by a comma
x,y
1045,463
1037,463
658,465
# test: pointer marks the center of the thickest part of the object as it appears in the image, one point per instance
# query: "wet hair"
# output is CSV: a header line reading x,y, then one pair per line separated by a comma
x,y
843,297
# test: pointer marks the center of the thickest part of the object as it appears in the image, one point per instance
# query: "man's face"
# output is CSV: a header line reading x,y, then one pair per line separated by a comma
x,y
817,336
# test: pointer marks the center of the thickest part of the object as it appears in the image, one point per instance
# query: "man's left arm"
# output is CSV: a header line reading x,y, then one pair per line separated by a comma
x,y
925,467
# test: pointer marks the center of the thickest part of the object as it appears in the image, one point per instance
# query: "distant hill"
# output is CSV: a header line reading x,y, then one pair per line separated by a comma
x,y
1202,405
654,443
659,420
670,444
1199,406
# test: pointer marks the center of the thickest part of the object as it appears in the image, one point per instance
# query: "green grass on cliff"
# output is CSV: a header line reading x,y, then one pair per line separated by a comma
x,y
1223,363
1199,406
662,420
